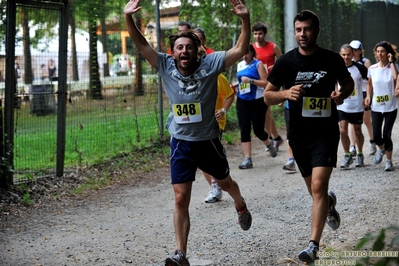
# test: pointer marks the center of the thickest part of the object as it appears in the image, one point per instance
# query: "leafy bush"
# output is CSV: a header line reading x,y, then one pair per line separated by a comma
x,y
379,244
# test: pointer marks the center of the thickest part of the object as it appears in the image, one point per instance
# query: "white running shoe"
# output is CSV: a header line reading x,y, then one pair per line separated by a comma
x,y
373,148
359,161
352,150
272,150
378,156
348,160
333,218
388,166
217,192
309,254
214,194
246,164
290,165
210,198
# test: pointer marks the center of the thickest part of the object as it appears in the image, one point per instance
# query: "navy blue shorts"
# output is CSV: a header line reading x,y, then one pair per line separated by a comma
x,y
314,153
352,118
187,156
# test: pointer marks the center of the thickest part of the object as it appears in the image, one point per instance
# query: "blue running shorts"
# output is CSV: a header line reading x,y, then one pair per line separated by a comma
x,y
187,156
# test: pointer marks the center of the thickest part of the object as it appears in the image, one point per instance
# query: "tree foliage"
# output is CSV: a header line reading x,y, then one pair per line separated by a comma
x,y
335,19
222,27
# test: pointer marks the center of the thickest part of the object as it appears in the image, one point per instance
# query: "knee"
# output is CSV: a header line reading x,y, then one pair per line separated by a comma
x,y
388,146
182,200
319,189
386,136
261,134
344,132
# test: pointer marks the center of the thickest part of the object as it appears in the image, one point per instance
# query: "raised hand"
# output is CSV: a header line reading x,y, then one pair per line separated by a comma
x,y
239,8
132,7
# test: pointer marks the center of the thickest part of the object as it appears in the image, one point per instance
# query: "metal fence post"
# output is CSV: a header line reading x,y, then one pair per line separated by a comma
x,y
62,88
8,140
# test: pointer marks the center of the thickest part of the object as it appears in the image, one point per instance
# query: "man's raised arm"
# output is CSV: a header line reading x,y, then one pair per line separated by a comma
x,y
140,42
242,45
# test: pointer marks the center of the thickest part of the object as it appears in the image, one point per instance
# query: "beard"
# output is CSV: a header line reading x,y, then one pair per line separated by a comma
x,y
307,45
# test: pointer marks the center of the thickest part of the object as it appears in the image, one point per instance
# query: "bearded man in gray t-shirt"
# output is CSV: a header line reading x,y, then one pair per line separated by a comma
x,y
190,82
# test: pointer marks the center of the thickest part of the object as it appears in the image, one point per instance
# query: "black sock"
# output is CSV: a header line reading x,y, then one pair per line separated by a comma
x,y
314,242
278,138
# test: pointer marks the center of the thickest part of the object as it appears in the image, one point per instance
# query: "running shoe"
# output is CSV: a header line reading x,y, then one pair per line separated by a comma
x,y
210,198
333,218
290,165
277,143
378,157
246,164
309,255
272,150
217,192
214,194
244,218
271,140
352,150
388,166
359,161
178,259
348,160
373,148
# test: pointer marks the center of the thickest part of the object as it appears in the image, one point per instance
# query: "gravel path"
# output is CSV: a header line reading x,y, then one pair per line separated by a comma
x,y
122,225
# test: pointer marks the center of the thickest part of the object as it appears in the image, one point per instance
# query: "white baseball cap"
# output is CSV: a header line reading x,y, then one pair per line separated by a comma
x,y
355,44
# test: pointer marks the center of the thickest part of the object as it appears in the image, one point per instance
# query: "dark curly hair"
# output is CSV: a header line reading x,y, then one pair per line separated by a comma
x,y
391,49
187,34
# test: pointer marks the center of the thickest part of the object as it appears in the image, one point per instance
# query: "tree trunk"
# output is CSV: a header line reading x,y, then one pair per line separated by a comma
x,y
75,71
138,73
104,38
95,83
28,73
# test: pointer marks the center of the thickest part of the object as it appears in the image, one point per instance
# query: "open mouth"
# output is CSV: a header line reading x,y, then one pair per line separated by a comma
x,y
184,59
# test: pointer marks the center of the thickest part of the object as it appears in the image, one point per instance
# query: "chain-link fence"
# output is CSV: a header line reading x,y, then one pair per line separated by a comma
x,y
121,116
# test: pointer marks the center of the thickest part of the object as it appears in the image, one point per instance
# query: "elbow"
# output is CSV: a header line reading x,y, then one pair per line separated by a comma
x,y
266,98
242,50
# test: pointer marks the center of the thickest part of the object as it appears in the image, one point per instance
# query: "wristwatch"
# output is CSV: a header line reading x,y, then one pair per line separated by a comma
x,y
224,110
251,81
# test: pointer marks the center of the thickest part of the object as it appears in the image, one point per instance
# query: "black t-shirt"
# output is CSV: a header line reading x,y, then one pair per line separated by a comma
x,y
316,114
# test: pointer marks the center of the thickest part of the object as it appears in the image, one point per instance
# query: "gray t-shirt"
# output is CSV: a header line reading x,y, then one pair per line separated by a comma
x,y
192,99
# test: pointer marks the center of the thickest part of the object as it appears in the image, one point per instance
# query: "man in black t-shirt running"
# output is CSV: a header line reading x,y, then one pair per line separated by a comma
x,y
308,75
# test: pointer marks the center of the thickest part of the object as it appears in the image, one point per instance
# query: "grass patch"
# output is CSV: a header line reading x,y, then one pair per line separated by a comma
x,y
96,131
278,115
91,183
124,169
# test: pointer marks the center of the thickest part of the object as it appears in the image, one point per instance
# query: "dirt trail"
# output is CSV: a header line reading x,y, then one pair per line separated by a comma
x,y
122,225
